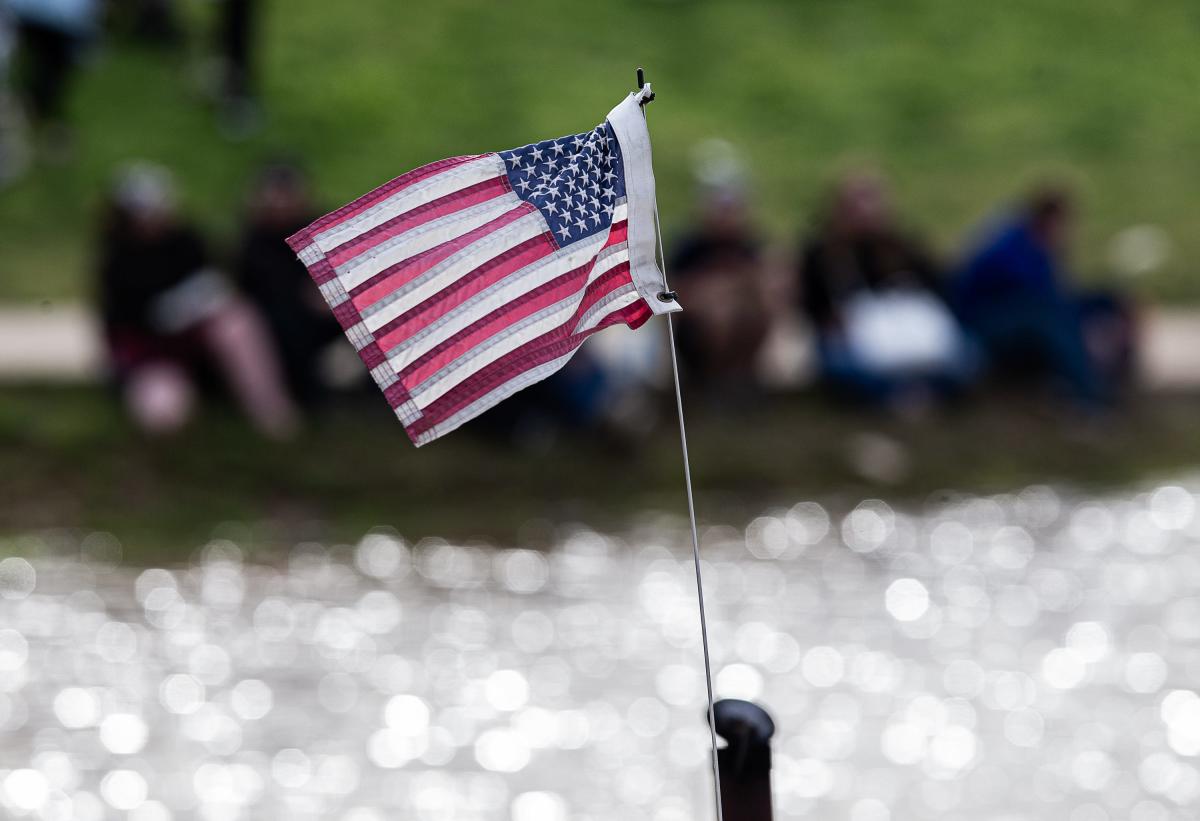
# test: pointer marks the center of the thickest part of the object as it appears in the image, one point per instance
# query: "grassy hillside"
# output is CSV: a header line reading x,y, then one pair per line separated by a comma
x,y
961,102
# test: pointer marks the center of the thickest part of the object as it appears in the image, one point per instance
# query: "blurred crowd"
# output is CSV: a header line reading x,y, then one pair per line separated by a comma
x,y
890,323
45,43
894,325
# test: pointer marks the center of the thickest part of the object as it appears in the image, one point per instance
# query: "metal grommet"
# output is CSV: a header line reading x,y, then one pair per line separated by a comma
x,y
668,296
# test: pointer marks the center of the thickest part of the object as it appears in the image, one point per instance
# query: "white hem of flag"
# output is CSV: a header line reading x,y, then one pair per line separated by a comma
x,y
629,124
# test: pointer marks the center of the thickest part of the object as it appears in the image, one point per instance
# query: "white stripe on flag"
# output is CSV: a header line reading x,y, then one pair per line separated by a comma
x,y
497,346
494,299
569,253
413,196
608,261
613,301
358,270
455,267
333,292
494,397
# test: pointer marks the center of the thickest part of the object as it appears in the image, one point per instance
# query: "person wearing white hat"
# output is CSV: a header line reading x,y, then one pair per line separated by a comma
x,y
170,316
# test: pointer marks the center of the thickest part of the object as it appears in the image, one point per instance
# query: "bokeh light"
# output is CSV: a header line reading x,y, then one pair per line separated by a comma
x,y
918,664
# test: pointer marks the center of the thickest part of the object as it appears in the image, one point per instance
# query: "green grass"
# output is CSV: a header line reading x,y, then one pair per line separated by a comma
x,y
69,462
963,103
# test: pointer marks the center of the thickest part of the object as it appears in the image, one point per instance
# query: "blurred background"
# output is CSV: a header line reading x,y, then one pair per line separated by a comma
x,y
941,352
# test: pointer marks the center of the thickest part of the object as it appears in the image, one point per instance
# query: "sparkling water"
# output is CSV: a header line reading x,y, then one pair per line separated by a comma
x,y
1026,656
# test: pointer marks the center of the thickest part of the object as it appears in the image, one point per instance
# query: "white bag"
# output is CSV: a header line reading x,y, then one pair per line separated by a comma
x,y
902,330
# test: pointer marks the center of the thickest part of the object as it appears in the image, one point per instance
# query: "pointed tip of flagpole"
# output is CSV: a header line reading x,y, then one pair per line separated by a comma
x,y
641,84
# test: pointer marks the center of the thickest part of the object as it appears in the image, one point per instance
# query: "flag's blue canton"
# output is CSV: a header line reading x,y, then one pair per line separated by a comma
x,y
574,181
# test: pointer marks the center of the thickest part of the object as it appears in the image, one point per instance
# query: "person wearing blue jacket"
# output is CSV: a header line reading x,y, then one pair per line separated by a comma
x,y
1015,297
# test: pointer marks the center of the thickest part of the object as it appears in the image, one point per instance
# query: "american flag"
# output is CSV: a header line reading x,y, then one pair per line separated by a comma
x,y
468,279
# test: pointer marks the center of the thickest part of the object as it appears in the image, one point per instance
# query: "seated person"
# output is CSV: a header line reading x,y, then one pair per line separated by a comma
x,y
873,296
278,283
1014,296
169,316
717,269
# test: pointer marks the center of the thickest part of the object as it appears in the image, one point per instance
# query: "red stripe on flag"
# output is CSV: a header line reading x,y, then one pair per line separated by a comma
x,y
442,206
402,327
635,315
525,305
395,276
513,311
371,355
374,197
320,270
396,394
545,348
347,315
602,287
618,233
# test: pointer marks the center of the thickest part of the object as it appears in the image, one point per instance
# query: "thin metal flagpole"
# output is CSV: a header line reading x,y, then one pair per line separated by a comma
x,y
691,503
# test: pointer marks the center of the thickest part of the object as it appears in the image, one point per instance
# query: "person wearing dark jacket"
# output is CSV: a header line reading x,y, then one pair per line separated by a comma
x,y
169,316
269,273
874,299
717,267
